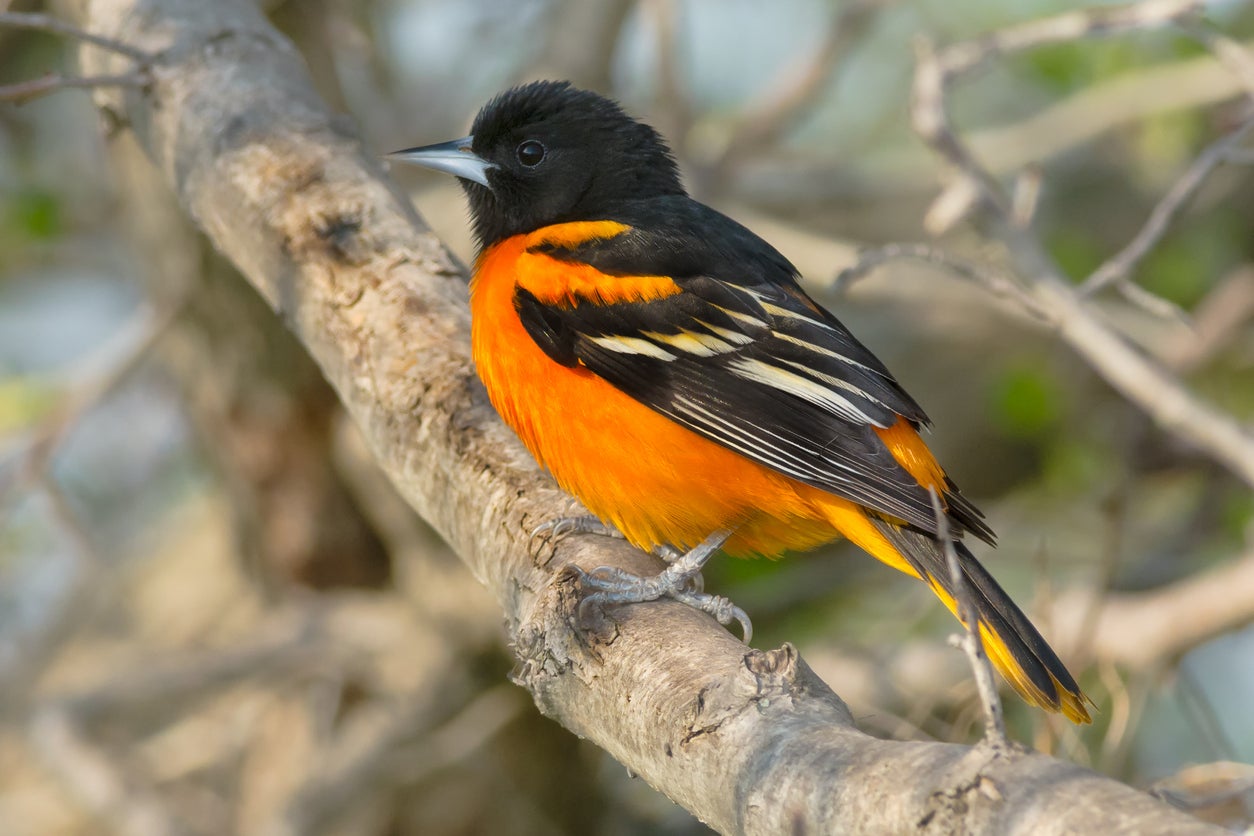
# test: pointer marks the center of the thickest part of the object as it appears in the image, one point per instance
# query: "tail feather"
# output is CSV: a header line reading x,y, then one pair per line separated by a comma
x,y
1014,646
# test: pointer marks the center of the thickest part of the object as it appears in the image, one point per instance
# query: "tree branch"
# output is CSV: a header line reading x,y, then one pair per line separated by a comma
x,y
1147,629
1158,393
967,56
750,741
1118,267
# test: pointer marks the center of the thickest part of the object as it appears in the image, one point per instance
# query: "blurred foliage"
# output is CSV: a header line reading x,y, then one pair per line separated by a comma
x,y
1236,514
28,217
1069,67
1026,400
1074,465
1185,266
1225,385
35,214
23,402
1077,250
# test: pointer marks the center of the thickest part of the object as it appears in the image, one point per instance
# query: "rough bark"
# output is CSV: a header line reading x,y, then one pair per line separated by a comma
x,y
749,741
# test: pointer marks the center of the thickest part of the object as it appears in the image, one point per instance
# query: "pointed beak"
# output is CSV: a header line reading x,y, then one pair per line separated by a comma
x,y
454,158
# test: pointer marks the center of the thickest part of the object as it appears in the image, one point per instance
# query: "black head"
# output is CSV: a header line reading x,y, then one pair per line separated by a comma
x,y
546,153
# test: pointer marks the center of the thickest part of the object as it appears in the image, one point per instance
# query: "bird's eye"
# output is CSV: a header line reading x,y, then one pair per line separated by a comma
x,y
530,153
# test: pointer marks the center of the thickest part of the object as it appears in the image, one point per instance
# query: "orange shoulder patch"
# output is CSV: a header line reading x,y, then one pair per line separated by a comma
x,y
571,235
555,281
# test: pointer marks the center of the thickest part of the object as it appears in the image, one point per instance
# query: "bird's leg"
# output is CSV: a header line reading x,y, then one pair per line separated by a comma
x,y
587,524
678,581
670,554
554,530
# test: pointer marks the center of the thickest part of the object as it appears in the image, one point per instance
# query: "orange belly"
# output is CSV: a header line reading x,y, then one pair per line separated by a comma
x,y
654,480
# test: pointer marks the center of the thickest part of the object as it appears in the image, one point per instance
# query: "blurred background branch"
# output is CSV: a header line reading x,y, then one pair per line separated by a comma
x,y
1152,388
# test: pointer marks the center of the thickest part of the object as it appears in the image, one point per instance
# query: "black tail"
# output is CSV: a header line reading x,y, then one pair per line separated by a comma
x,y
1013,645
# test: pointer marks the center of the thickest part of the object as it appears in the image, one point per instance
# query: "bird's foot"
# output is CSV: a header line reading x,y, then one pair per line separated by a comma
x,y
680,581
586,524
555,530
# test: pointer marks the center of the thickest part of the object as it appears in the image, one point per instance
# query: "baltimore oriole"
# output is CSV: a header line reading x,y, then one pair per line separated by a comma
x,y
665,366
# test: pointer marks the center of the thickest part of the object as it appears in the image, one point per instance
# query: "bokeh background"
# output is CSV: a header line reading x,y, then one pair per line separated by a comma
x,y
216,617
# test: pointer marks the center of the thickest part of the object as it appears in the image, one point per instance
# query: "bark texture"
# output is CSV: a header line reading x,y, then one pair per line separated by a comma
x,y
750,741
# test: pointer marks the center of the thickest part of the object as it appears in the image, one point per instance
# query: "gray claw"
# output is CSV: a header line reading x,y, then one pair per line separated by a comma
x,y
562,526
680,581
721,609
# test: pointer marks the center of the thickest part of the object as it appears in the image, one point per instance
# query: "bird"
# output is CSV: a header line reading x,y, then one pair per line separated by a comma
x,y
664,364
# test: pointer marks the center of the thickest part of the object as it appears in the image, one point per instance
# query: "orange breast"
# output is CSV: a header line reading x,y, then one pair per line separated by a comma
x,y
656,481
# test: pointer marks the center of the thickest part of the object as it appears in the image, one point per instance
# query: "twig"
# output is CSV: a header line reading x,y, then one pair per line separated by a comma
x,y
1198,706
1152,303
1069,26
971,642
1117,270
1000,284
1114,509
1240,64
934,71
1078,118
1086,114
1124,711
25,91
1026,196
1120,266
55,26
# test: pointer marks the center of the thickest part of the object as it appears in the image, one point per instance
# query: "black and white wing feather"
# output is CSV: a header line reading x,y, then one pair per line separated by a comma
x,y
747,360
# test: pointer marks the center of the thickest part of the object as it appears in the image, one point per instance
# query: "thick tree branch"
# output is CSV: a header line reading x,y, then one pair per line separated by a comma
x,y
751,742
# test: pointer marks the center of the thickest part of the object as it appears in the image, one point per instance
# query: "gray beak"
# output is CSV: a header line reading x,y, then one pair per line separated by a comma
x,y
454,158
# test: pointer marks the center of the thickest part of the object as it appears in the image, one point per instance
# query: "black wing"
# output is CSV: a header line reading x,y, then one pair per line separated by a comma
x,y
743,357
